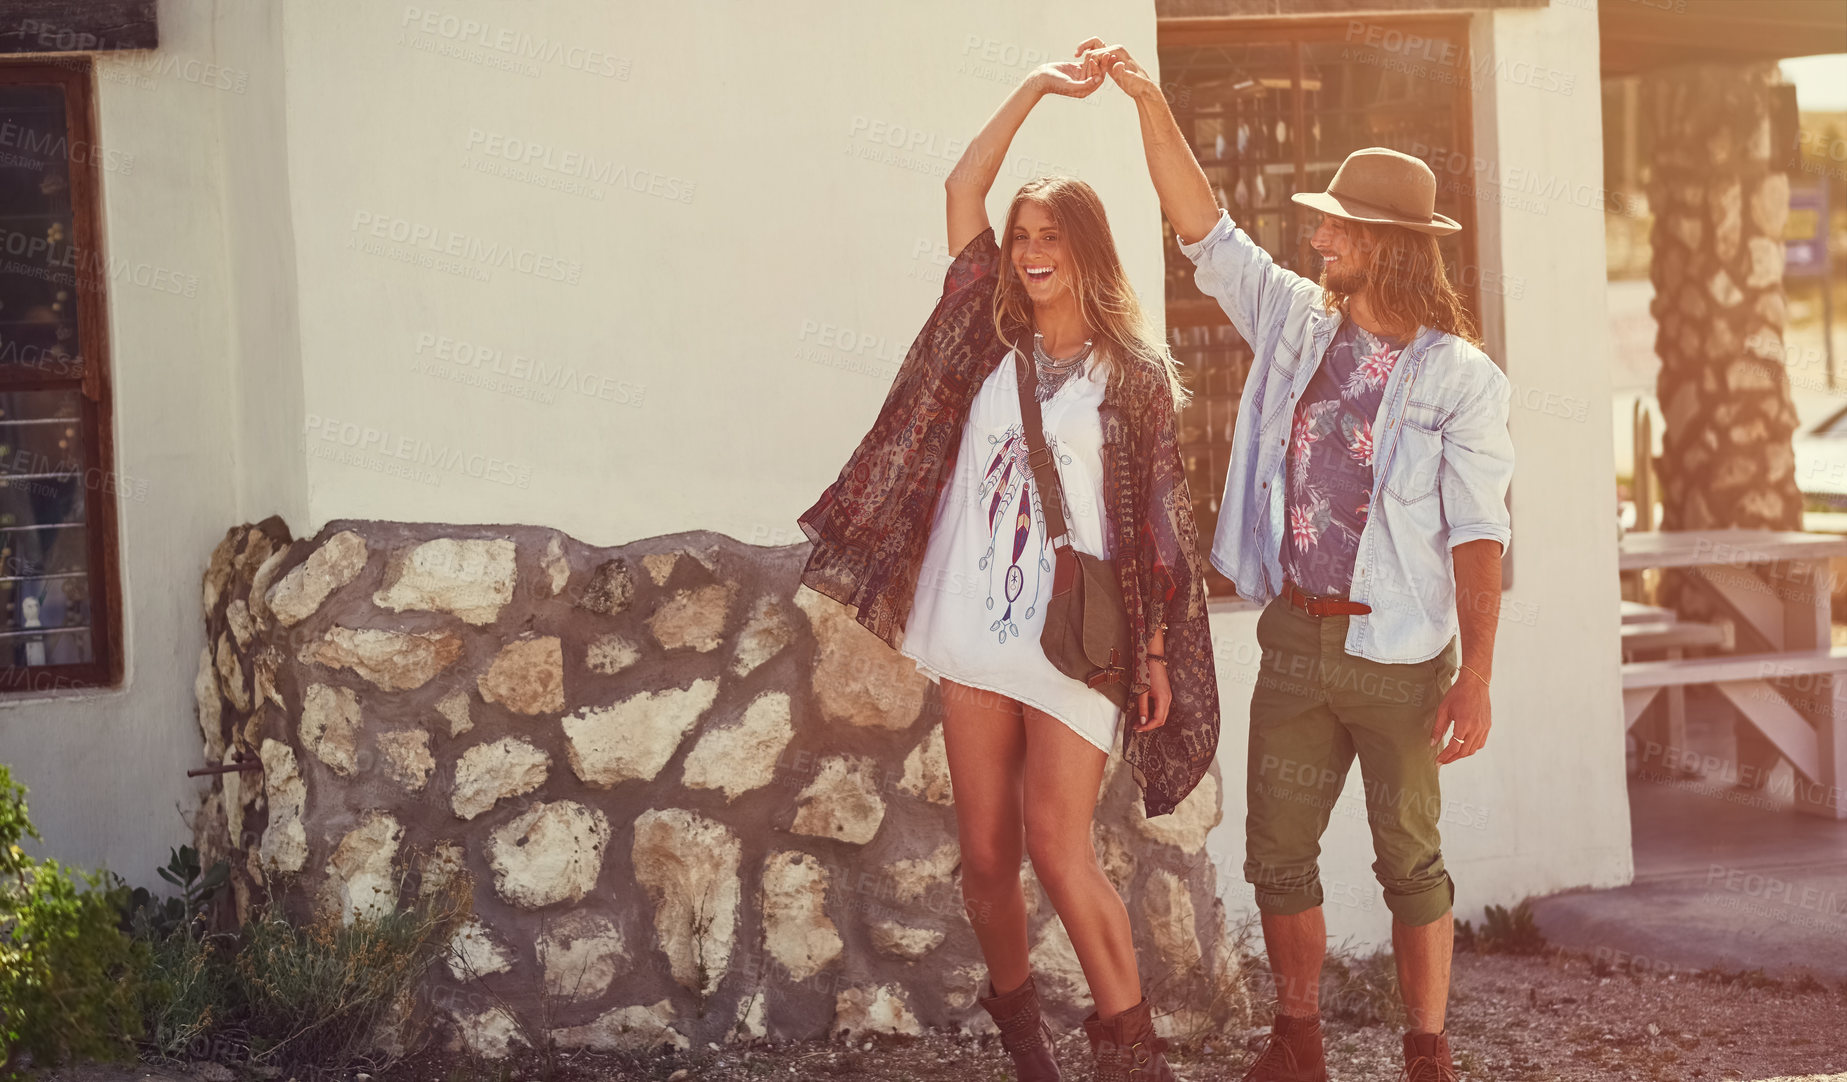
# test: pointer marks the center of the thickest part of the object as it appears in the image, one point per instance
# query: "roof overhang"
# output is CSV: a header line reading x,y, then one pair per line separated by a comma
x,y
1642,34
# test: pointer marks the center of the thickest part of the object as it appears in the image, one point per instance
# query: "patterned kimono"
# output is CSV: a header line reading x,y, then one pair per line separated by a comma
x,y
871,525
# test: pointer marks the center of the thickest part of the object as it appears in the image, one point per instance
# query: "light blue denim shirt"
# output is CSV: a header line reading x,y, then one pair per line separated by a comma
x,y
1444,463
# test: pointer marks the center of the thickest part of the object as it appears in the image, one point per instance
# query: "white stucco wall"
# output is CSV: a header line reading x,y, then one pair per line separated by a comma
x,y
202,357
692,233
1544,807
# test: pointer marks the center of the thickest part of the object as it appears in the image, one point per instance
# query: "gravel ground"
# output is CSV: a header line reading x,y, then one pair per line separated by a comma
x,y
1559,1018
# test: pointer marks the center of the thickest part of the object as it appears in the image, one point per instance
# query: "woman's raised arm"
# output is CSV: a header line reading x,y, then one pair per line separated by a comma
x,y
968,183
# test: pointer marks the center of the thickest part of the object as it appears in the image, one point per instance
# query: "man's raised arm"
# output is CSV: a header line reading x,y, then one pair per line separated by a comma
x,y
1186,195
1233,269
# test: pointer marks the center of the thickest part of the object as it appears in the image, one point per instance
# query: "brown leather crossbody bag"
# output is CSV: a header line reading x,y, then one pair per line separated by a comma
x,y
1086,634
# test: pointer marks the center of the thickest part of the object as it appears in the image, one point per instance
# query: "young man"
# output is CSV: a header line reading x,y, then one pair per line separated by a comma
x,y
1366,506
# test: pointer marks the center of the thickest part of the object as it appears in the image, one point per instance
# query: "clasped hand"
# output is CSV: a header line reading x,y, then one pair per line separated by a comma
x,y
1079,77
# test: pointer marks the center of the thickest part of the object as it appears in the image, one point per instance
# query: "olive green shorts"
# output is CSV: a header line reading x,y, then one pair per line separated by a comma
x,y
1314,709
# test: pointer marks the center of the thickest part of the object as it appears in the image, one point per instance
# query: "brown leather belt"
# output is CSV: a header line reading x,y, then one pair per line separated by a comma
x,y
1315,605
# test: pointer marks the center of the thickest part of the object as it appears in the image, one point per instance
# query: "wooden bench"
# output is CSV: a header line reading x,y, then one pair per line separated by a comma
x,y
1634,612
1650,633
1760,686
1657,638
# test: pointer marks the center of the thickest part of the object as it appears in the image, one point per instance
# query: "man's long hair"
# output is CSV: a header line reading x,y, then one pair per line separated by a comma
x,y
1110,308
1408,280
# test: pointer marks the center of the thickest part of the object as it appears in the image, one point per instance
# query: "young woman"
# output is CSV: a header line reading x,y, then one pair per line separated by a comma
x,y
935,532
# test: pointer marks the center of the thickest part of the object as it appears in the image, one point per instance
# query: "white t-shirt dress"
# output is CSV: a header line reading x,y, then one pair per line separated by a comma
x,y
987,569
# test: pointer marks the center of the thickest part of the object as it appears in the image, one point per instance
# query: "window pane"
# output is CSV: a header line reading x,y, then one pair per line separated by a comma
x,y
45,613
38,309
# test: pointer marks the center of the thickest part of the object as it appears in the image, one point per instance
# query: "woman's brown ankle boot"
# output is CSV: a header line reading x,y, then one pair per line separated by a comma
x,y
1125,1048
1023,1033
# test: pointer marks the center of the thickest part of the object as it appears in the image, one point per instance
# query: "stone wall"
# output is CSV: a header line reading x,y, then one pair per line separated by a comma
x,y
696,803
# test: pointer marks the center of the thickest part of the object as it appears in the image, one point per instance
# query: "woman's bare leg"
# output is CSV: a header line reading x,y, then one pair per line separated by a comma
x,y
1063,773
986,740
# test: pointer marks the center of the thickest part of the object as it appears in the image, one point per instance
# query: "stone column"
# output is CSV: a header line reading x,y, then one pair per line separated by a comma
x,y
1720,199
1719,203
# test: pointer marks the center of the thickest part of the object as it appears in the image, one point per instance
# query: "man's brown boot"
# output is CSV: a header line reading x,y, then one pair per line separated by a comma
x,y
1023,1032
1426,1058
1291,1053
1125,1049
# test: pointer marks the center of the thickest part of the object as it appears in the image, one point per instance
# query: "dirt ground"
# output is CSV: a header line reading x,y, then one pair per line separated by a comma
x,y
1561,1018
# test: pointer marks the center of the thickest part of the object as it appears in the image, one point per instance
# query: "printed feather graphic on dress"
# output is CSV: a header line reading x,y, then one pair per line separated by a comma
x,y
1014,506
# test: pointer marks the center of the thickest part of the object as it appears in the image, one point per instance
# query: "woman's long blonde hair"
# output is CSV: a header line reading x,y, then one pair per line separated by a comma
x,y
1405,270
1116,318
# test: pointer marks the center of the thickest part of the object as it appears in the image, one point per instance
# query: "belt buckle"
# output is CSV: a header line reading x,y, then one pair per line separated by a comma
x,y
1314,604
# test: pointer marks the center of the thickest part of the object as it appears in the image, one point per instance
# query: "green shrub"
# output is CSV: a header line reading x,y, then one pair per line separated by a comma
x,y
184,994
324,993
1361,990
88,966
184,984
317,996
154,919
66,970
1503,931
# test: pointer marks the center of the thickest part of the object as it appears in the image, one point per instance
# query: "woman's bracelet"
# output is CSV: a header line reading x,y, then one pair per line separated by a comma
x,y
1156,657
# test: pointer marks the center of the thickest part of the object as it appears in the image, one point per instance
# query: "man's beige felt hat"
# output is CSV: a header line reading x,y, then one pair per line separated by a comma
x,y
1378,184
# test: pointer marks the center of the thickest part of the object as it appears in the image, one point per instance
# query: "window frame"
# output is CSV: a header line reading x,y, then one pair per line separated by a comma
x,y
74,76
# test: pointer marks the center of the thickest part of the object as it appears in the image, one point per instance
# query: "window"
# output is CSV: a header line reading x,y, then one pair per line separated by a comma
x,y
60,621
1270,110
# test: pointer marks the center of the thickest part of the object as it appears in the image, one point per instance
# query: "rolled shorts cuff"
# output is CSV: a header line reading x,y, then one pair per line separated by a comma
x,y
1422,907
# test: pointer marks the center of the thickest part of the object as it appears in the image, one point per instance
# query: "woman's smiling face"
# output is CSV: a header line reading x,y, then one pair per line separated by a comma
x,y
1039,255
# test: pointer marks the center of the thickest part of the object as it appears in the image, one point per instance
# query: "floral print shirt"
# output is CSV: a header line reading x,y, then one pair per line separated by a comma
x,y
1328,481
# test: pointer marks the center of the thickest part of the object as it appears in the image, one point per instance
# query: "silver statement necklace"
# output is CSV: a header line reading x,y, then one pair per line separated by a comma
x,y
1054,372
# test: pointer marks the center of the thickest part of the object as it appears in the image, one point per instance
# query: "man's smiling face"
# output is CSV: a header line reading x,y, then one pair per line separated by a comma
x,y
1339,244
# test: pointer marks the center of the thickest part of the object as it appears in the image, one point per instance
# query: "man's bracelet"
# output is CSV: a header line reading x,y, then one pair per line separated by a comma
x,y
1478,676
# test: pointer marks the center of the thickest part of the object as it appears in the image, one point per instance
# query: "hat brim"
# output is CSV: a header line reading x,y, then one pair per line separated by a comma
x,y
1439,225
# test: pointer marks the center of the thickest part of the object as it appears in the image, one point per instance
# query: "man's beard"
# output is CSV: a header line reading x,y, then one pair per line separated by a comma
x,y
1346,280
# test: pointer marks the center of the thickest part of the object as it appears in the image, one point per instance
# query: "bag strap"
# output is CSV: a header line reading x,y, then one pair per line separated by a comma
x,y
1051,494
